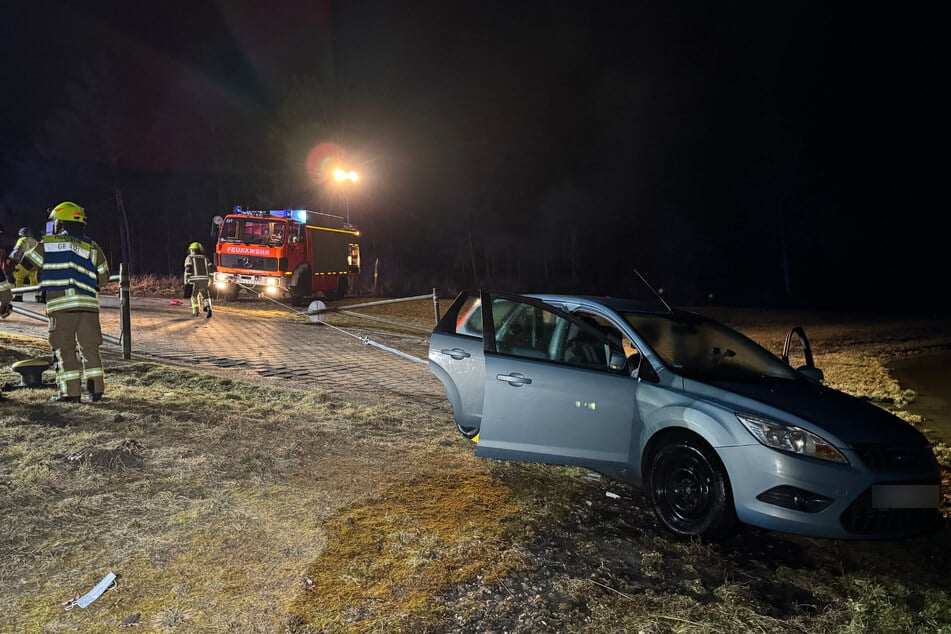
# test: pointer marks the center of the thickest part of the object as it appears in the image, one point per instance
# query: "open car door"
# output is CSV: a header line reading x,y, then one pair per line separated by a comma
x,y
555,388
455,357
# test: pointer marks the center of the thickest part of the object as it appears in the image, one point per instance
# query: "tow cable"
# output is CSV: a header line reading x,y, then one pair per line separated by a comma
x,y
318,319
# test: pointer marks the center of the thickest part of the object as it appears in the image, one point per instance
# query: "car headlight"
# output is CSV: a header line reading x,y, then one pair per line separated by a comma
x,y
790,438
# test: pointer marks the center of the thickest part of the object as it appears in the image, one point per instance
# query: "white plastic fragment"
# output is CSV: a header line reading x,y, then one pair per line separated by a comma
x,y
93,594
613,496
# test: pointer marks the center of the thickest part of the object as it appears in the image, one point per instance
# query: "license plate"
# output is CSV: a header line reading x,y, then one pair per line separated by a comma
x,y
906,496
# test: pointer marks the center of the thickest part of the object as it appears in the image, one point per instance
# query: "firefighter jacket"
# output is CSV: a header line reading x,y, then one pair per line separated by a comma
x,y
73,268
21,248
197,268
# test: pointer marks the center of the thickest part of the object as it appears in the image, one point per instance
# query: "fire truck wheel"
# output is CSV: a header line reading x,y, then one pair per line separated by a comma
x,y
341,291
299,292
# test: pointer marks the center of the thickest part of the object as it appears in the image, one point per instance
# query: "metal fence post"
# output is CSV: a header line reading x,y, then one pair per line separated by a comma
x,y
436,306
376,276
125,312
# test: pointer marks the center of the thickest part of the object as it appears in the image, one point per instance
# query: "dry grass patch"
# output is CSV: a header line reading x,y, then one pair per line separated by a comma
x,y
388,559
207,497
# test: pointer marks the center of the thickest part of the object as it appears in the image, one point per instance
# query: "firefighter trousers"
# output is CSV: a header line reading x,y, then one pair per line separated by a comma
x,y
200,298
24,277
75,337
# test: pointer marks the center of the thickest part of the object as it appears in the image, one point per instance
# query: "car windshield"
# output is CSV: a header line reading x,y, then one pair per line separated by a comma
x,y
699,348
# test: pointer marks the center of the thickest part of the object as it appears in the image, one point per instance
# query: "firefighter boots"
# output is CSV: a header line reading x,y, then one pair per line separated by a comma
x,y
94,396
61,398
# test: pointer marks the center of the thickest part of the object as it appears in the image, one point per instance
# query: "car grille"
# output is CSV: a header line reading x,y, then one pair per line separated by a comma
x,y
891,457
248,262
862,518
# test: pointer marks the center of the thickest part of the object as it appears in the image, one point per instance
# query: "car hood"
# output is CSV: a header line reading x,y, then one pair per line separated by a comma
x,y
850,419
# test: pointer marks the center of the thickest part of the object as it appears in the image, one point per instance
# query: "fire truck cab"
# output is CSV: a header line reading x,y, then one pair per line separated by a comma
x,y
284,253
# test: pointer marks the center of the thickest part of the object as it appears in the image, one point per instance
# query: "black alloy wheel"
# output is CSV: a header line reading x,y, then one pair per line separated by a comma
x,y
690,491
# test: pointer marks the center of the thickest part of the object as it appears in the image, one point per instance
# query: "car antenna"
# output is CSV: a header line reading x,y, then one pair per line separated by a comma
x,y
648,284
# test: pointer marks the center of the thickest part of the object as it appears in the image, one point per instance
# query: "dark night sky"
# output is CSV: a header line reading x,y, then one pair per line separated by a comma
x,y
768,153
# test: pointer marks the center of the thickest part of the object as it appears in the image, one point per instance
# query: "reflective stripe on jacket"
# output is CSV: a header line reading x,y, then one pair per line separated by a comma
x,y
196,268
72,268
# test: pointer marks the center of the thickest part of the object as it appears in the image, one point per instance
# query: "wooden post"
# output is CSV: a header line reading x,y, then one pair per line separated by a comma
x,y
125,312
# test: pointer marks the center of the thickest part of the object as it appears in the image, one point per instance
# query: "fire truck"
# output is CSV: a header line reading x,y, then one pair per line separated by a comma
x,y
284,253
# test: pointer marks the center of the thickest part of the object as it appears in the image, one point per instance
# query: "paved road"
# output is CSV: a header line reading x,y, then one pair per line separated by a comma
x,y
265,350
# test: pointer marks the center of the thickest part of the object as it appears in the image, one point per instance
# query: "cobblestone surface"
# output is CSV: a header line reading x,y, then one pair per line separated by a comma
x,y
264,350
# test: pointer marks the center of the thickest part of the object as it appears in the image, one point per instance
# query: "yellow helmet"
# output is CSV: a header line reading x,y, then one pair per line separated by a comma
x,y
196,247
68,212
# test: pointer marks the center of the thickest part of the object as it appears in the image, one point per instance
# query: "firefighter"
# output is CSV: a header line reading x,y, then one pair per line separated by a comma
x,y
197,276
21,275
72,269
5,295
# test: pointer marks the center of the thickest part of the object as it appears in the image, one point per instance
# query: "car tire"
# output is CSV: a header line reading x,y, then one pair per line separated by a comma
x,y
690,491
468,432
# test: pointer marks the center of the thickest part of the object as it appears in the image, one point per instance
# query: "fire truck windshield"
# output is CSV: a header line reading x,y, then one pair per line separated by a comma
x,y
254,231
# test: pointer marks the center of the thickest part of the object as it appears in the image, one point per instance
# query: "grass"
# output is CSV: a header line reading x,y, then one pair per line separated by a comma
x,y
203,494
229,507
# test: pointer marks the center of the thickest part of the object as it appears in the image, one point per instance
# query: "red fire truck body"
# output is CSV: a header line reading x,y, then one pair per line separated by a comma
x,y
286,253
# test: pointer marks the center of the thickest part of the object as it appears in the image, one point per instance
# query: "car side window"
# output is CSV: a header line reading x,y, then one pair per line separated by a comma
x,y
526,330
614,334
583,348
534,332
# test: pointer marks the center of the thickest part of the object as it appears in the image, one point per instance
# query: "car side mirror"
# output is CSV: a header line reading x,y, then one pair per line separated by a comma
x,y
812,373
645,371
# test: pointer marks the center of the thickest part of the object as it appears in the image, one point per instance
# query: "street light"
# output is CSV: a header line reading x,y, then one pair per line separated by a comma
x,y
342,176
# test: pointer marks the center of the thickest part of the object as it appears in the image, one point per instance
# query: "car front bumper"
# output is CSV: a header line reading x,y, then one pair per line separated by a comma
x,y
788,493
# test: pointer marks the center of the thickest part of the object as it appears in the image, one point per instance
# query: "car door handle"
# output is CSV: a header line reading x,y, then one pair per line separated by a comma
x,y
515,379
455,353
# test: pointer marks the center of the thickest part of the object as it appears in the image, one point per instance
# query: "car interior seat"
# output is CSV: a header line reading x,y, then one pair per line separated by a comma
x,y
584,349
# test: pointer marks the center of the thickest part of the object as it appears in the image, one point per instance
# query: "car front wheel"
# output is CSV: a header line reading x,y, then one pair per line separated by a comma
x,y
690,491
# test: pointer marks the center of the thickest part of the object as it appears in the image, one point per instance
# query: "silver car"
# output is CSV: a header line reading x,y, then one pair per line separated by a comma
x,y
717,430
